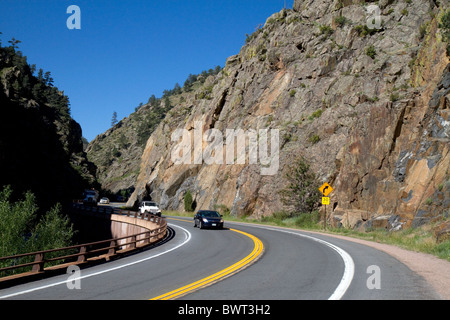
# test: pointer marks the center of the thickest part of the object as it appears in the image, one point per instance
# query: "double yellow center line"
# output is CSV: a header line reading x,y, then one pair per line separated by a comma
x,y
248,260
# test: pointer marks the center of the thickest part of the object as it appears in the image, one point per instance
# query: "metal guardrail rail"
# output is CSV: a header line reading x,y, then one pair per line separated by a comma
x,y
61,258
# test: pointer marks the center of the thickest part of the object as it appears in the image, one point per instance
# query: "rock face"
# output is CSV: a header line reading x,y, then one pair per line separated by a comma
x,y
117,152
367,108
41,145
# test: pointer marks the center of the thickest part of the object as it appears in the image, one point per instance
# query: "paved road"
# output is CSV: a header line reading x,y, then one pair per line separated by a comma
x,y
293,265
299,267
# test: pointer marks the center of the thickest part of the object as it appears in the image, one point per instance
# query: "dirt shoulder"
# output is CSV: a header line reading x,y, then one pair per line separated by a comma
x,y
434,270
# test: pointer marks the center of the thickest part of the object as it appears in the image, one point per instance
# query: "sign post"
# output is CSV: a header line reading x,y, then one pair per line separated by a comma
x,y
326,189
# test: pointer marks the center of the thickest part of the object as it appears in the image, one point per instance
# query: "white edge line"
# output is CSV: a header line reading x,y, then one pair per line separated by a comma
x,y
186,240
349,269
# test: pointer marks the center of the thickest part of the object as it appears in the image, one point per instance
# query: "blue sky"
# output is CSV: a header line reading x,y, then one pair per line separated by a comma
x,y
128,50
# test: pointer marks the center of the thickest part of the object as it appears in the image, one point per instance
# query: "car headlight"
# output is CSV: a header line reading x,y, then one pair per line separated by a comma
x,y
205,220
221,220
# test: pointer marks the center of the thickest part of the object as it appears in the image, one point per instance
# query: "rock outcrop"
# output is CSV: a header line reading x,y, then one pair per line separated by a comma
x,y
41,145
367,108
117,152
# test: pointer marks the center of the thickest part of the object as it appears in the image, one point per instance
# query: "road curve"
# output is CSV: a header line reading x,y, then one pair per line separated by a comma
x,y
294,265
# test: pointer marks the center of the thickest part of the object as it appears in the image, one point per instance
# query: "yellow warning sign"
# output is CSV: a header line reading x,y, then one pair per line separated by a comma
x,y
326,189
325,201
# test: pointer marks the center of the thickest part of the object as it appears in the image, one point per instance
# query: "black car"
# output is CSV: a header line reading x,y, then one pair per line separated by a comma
x,y
208,219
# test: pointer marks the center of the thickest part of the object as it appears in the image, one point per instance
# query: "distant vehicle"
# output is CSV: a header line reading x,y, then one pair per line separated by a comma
x,y
90,197
150,207
208,218
104,200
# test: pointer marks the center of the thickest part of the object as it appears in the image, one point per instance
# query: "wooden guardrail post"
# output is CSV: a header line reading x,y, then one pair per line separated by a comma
x,y
147,237
112,247
38,265
82,256
133,242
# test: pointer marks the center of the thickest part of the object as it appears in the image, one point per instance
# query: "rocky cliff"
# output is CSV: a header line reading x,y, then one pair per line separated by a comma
x,y
367,107
117,152
41,145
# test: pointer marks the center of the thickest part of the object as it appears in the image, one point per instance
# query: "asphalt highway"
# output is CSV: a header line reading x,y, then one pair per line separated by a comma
x,y
240,262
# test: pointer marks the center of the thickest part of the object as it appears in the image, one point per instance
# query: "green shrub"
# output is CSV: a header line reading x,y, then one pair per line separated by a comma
x,y
315,114
326,30
445,26
314,138
363,30
23,231
341,21
301,194
188,201
445,22
370,51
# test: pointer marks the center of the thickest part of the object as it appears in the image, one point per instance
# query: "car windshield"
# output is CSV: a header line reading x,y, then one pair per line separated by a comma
x,y
150,204
210,214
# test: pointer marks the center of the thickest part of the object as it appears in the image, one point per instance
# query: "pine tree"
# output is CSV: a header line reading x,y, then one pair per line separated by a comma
x,y
14,43
301,194
114,119
188,201
177,89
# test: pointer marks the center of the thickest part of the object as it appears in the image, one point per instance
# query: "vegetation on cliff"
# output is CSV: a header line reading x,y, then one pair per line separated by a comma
x,y
41,145
117,152
301,194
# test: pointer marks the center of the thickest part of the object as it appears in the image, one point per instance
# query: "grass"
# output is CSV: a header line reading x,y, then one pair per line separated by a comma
x,y
415,239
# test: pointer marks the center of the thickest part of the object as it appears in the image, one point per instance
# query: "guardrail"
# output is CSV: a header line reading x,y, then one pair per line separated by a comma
x,y
34,264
